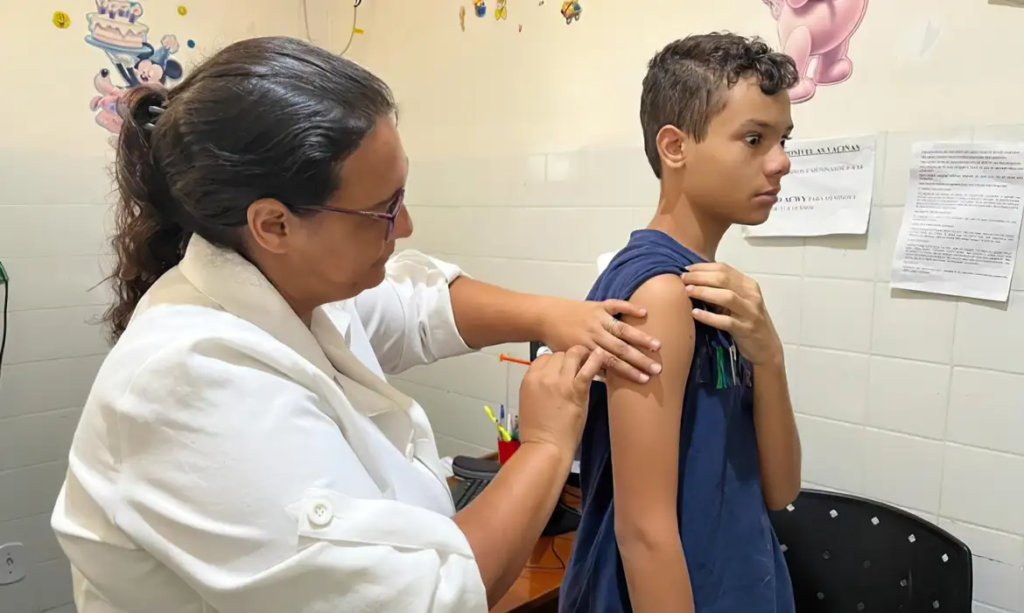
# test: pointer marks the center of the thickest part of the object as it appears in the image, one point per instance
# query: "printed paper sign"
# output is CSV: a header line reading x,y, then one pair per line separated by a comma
x,y
828,189
962,220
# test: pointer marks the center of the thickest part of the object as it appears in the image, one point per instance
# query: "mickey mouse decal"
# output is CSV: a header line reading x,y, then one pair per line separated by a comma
x,y
116,28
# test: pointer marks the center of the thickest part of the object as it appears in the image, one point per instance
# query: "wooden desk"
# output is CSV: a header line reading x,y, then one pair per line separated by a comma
x,y
536,590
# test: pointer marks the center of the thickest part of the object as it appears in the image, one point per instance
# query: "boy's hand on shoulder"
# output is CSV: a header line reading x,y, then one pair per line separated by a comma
x,y
743,312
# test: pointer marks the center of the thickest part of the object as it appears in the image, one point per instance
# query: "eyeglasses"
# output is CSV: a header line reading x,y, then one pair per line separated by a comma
x,y
394,208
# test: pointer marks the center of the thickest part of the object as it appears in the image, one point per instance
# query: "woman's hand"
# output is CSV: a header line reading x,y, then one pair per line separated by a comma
x,y
743,313
593,325
553,397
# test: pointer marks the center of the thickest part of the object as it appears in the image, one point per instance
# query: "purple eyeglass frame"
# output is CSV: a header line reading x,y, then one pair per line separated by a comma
x,y
397,203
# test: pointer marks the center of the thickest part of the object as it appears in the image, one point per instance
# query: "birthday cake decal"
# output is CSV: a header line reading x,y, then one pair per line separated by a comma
x,y
116,22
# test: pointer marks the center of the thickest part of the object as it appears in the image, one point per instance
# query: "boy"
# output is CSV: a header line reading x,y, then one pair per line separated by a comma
x,y
696,456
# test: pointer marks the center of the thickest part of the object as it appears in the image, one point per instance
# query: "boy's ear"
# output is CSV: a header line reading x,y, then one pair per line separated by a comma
x,y
672,145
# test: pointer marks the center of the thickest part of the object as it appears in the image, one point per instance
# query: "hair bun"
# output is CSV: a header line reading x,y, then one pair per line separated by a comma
x,y
143,104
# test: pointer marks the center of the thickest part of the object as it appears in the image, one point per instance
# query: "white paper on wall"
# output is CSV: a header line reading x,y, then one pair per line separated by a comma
x,y
961,224
828,189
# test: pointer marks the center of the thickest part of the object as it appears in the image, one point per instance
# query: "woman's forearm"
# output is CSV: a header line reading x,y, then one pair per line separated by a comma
x,y
504,522
488,315
778,441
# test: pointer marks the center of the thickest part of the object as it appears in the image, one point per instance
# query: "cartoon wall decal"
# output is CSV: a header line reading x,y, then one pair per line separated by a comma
x,y
480,8
116,29
62,20
501,11
571,11
462,18
191,44
105,105
183,10
817,30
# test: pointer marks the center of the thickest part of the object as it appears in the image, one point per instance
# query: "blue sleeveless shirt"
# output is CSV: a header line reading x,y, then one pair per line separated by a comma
x,y
733,556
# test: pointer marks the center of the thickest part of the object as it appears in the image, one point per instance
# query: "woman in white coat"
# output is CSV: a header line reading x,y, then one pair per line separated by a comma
x,y
241,450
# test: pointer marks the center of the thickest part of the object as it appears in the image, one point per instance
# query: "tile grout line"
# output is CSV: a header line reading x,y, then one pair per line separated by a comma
x,y
999,452
949,404
10,418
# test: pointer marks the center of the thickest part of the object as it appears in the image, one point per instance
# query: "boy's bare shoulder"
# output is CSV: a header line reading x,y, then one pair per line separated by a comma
x,y
662,292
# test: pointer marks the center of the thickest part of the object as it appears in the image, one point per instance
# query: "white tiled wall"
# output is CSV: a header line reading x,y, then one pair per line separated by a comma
x,y
914,399
54,185
52,237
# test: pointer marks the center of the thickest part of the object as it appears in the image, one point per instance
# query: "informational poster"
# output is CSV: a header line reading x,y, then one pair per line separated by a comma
x,y
961,225
828,189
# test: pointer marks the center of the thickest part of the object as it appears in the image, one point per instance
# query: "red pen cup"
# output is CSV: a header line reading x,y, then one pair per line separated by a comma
x,y
506,449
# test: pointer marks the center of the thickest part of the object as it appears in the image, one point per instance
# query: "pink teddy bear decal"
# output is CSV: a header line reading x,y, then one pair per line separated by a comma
x,y
106,104
817,29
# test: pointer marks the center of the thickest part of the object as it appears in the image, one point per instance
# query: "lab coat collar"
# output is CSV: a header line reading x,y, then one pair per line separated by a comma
x,y
232,282
240,288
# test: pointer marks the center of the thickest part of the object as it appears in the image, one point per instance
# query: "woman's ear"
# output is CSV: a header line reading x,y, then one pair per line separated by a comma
x,y
270,224
671,147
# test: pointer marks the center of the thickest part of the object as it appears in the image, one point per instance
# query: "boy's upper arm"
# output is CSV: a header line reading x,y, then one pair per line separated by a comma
x,y
644,419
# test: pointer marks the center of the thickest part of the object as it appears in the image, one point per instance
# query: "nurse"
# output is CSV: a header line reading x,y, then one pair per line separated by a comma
x,y
241,450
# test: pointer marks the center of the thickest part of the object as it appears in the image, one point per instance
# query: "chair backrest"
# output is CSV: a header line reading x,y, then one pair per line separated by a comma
x,y
852,554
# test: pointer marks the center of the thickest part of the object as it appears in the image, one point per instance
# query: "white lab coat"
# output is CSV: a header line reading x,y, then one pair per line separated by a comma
x,y
231,460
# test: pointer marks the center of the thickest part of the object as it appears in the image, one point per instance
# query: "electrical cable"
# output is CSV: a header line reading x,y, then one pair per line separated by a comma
x,y
554,550
351,34
6,282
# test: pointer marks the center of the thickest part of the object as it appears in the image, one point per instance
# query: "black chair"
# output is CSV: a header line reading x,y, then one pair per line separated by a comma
x,y
851,554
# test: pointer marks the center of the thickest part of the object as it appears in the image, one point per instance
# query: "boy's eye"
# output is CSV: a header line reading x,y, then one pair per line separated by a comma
x,y
753,139
785,139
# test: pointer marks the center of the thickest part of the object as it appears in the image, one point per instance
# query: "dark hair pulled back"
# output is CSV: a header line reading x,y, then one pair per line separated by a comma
x,y
263,118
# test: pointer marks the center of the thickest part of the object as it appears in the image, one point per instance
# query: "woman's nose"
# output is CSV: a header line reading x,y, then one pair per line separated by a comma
x,y
403,224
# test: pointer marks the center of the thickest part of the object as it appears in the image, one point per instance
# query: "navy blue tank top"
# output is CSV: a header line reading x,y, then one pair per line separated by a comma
x,y
734,559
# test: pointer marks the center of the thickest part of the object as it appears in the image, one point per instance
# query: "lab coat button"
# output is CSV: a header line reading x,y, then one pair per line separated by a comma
x,y
320,513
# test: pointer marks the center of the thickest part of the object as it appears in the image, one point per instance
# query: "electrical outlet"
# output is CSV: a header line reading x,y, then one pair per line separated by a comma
x,y
12,563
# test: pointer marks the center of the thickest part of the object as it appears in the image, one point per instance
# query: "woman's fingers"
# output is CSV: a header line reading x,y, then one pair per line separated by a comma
x,y
574,360
632,336
590,369
625,331
622,307
625,358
